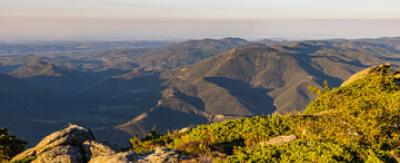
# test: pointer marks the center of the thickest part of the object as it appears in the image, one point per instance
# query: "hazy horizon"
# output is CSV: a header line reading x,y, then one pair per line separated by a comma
x,y
179,19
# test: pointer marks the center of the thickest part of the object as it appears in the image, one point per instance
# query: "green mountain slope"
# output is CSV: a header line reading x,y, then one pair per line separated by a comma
x,y
356,122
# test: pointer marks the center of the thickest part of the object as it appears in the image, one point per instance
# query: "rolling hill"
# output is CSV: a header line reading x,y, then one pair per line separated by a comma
x,y
248,81
186,53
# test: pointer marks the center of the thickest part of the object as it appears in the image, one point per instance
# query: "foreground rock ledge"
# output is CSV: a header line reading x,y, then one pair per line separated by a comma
x,y
72,144
76,144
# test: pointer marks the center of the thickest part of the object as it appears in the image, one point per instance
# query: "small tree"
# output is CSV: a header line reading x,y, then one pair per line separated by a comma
x,y
10,145
152,134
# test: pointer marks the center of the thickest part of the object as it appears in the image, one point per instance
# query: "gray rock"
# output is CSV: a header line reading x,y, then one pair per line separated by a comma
x,y
122,157
280,140
76,144
94,149
161,154
72,135
61,154
72,144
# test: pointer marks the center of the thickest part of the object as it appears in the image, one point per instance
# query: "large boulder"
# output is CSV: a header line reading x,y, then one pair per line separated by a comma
x,y
72,144
72,135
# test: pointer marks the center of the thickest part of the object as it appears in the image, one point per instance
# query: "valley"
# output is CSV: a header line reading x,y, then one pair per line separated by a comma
x,y
127,88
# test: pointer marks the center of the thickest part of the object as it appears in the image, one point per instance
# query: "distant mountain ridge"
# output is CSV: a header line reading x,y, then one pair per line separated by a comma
x,y
186,53
37,69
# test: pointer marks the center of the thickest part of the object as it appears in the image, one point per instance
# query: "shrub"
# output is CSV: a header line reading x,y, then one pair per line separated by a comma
x,y
10,145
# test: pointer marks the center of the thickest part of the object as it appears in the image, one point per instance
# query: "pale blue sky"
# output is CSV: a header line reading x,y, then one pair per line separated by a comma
x,y
166,19
248,9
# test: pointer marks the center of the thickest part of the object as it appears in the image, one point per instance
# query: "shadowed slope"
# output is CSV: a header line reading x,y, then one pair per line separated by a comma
x,y
256,79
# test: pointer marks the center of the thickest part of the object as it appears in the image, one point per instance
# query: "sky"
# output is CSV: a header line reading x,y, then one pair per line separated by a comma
x,y
192,19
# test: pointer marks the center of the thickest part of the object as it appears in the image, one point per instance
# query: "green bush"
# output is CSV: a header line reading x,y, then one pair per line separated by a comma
x,y
9,145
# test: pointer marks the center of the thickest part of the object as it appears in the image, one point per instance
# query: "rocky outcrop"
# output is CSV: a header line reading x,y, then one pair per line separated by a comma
x,y
76,144
93,149
72,144
61,154
122,157
161,155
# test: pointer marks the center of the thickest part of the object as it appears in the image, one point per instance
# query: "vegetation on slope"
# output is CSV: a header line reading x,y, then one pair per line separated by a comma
x,y
352,123
9,145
